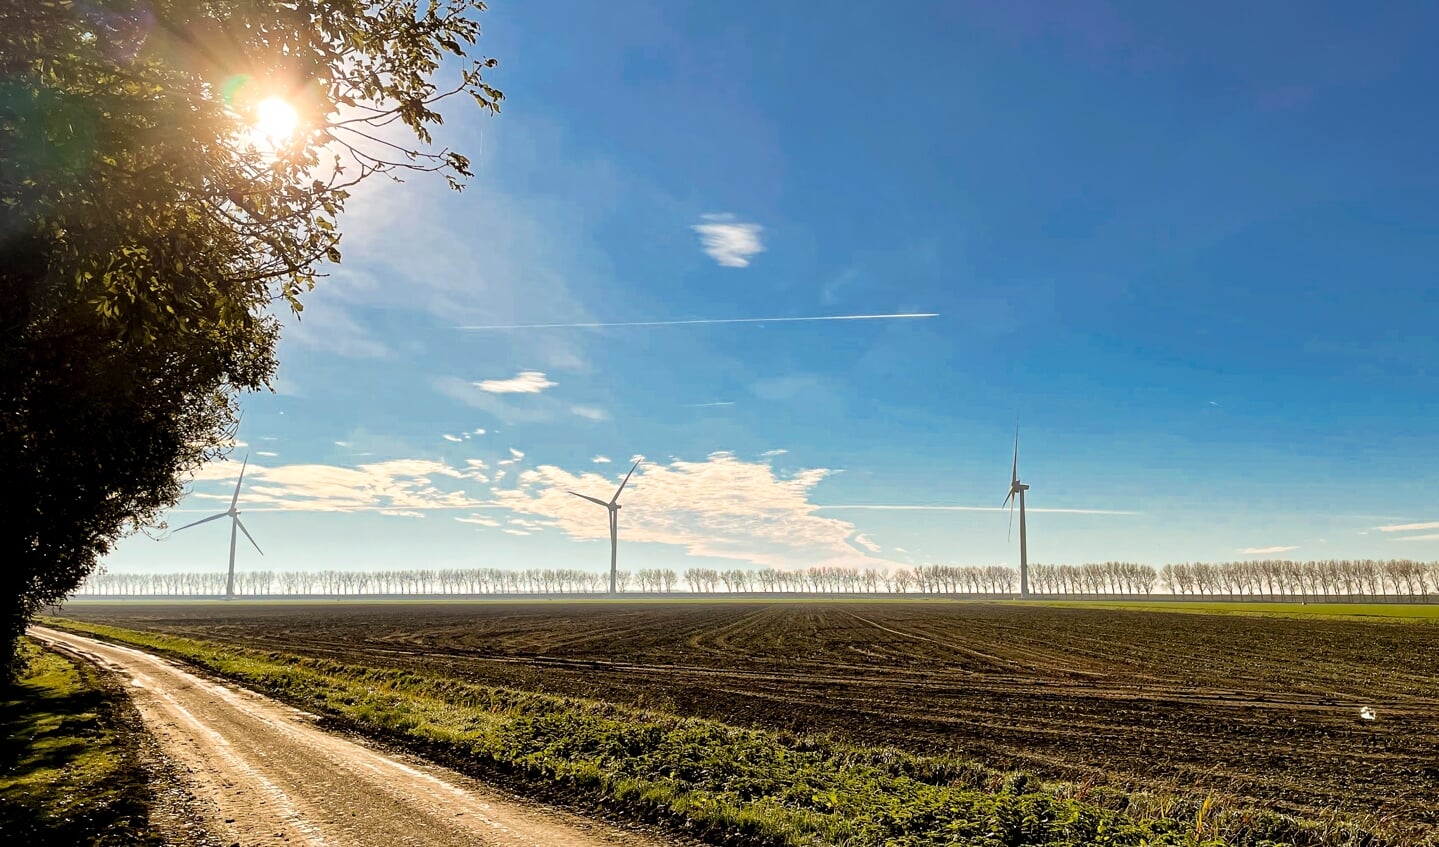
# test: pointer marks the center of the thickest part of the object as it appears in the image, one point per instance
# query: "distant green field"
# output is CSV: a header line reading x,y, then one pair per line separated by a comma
x,y
1413,613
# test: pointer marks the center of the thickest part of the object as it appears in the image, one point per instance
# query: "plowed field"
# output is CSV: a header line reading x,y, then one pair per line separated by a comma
x,y
1256,707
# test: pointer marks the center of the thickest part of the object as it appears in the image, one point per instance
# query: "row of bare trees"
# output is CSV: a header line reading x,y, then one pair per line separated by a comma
x,y
1252,579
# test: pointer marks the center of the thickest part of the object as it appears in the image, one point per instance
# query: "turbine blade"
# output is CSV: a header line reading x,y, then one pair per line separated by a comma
x,y
204,520
1010,537
616,498
591,499
236,498
1014,469
1007,498
247,535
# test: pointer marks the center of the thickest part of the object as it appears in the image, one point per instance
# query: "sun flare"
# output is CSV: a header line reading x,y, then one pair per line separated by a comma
x,y
275,120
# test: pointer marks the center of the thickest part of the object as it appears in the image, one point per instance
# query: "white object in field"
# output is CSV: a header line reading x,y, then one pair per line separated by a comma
x,y
1366,713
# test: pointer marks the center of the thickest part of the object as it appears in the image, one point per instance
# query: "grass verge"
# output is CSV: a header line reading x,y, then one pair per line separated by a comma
x,y
729,785
69,771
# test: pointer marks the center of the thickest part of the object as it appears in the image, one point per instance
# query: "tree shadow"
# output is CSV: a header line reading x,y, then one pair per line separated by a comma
x,y
66,777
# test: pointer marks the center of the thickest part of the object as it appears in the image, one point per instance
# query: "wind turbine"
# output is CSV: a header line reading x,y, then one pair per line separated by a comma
x,y
234,515
614,508
1018,488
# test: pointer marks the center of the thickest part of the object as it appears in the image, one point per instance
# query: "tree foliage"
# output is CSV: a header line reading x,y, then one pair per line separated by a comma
x,y
147,232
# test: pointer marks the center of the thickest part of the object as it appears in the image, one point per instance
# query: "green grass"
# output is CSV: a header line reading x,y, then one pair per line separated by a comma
x,y
68,772
1404,612
731,785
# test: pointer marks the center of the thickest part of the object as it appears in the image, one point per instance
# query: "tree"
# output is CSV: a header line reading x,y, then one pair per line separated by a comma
x,y
147,232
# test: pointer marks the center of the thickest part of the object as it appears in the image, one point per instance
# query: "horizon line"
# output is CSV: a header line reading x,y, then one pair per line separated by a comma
x,y
699,321
875,507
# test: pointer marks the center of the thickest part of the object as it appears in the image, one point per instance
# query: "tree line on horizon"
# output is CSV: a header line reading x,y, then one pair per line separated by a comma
x,y
1256,579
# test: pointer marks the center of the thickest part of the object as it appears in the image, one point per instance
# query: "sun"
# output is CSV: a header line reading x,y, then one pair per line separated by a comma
x,y
275,120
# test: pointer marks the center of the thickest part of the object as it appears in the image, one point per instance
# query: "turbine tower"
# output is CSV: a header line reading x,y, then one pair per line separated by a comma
x,y
234,515
614,508
1017,489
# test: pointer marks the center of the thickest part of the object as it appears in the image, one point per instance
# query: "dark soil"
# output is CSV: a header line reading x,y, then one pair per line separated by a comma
x,y
1263,709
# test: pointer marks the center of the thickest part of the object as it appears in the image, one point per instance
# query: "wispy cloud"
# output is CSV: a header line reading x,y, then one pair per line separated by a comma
x,y
882,507
709,405
702,321
1409,527
865,542
722,507
454,438
777,452
593,413
266,453
478,520
524,382
1265,551
601,460
729,241
1427,537
329,327
399,486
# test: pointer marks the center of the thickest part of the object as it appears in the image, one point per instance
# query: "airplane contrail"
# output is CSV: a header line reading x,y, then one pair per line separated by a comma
x,y
888,508
692,322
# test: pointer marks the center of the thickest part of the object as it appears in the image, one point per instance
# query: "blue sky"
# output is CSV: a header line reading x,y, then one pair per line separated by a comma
x,y
1190,249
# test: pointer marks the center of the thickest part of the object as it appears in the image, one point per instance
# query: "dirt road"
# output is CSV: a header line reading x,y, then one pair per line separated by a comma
x,y
264,774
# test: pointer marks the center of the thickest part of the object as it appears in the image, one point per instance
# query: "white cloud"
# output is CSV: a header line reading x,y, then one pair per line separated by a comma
x,y
398,486
638,457
526,408
709,405
721,507
1409,527
455,438
524,382
1264,551
480,431
865,542
593,413
516,531
515,457
780,452
1428,537
601,460
478,520
266,453
728,241
343,444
